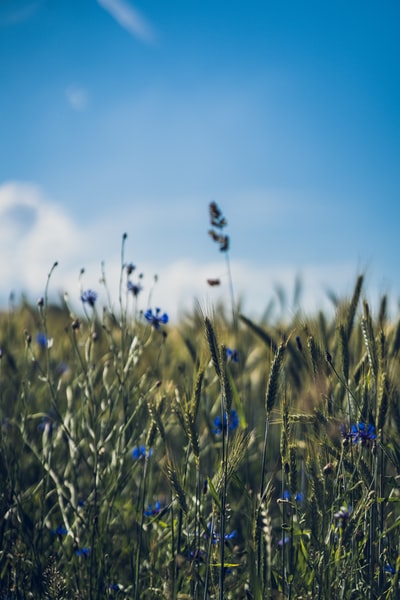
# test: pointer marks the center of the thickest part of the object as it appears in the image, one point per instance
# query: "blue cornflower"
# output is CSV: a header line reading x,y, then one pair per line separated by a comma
x,y
152,511
156,318
216,538
135,288
343,515
232,354
82,552
114,587
363,433
43,341
298,497
130,267
284,540
389,569
141,452
232,422
197,555
89,297
59,530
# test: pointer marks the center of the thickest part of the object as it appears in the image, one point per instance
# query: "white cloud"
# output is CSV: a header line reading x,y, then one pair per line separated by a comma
x,y
130,19
35,232
77,97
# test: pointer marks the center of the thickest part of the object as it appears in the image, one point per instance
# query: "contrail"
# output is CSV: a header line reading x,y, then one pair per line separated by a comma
x,y
130,19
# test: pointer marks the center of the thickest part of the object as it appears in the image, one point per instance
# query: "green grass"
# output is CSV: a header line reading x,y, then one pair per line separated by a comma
x,y
280,503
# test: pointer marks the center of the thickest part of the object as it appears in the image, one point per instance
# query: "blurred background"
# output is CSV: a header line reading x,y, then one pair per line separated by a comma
x,y
132,116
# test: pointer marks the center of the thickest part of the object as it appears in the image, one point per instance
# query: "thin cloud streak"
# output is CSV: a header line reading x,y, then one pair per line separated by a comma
x,y
130,19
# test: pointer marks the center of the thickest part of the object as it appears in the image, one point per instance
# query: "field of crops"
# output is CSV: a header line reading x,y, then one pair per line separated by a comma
x,y
216,458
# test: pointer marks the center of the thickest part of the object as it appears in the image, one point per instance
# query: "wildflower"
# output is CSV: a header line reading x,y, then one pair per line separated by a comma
x,y
197,555
89,297
232,355
59,530
232,422
43,341
216,537
141,452
287,496
82,552
283,541
135,288
130,267
358,433
363,433
389,569
114,587
347,435
343,515
153,511
156,318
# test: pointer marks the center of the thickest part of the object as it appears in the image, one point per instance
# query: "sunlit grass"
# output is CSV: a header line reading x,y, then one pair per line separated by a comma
x,y
216,458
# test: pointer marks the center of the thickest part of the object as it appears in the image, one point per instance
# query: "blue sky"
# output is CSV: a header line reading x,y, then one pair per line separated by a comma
x,y
131,116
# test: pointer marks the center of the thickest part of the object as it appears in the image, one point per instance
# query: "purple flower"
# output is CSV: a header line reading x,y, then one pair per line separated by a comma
x,y
135,288
89,297
232,422
156,318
